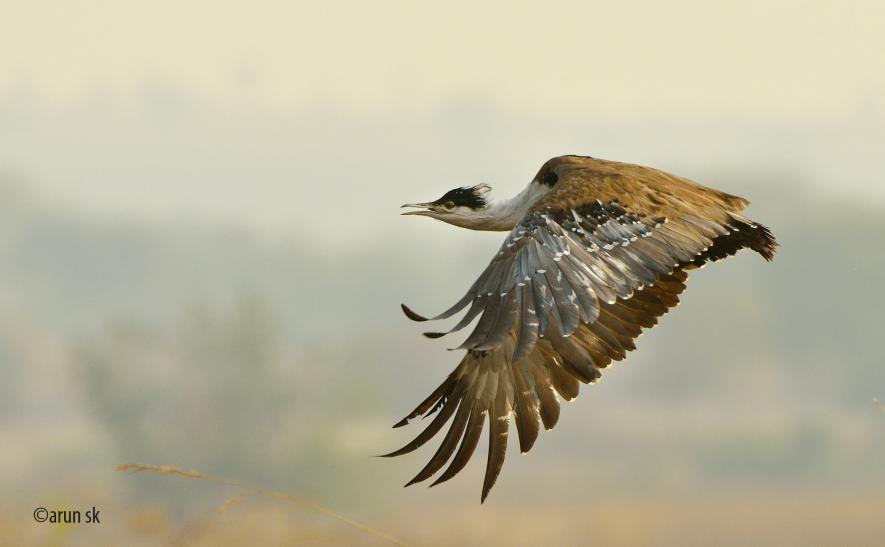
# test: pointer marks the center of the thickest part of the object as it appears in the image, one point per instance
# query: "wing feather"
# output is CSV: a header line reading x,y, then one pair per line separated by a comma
x,y
499,422
468,444
448,445
528,325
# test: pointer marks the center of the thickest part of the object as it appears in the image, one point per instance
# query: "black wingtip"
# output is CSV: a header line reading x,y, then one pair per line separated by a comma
x,y
412,315
401,423
395,453
433,335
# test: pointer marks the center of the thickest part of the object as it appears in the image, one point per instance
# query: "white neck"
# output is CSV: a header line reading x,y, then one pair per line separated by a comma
x,y
504,215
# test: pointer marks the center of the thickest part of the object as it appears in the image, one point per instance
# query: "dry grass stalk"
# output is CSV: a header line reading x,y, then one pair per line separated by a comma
x,y
299,500
230,503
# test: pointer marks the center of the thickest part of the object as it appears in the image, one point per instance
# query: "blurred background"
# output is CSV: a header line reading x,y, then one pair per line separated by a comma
x,y
202,260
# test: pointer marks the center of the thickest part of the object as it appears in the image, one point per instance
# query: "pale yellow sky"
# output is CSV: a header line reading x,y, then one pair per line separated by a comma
x,y
252,111
768,58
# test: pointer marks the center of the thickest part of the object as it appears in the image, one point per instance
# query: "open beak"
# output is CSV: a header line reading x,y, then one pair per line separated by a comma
x,y
426,209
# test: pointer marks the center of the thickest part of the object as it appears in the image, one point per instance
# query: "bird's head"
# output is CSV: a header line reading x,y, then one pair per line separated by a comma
x,y
465,207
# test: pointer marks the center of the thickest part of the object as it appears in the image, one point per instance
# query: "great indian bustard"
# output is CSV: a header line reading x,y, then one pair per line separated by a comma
x,y
597,251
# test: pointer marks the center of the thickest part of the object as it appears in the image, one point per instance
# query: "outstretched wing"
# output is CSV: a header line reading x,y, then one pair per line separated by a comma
x,y
597,259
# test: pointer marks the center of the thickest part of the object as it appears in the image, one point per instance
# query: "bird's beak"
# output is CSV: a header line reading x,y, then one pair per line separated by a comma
x,y
427,209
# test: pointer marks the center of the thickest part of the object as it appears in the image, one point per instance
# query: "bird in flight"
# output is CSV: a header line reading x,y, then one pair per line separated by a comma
x,y
597,250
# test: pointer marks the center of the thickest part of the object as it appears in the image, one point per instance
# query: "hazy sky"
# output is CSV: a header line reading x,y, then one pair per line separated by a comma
x,y
248,111
786,58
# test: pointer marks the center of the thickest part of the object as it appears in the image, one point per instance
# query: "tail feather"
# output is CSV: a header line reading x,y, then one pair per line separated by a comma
x,y
743,233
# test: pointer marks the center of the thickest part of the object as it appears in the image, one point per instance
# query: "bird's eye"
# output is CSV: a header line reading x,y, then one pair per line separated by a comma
x,y
449,205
